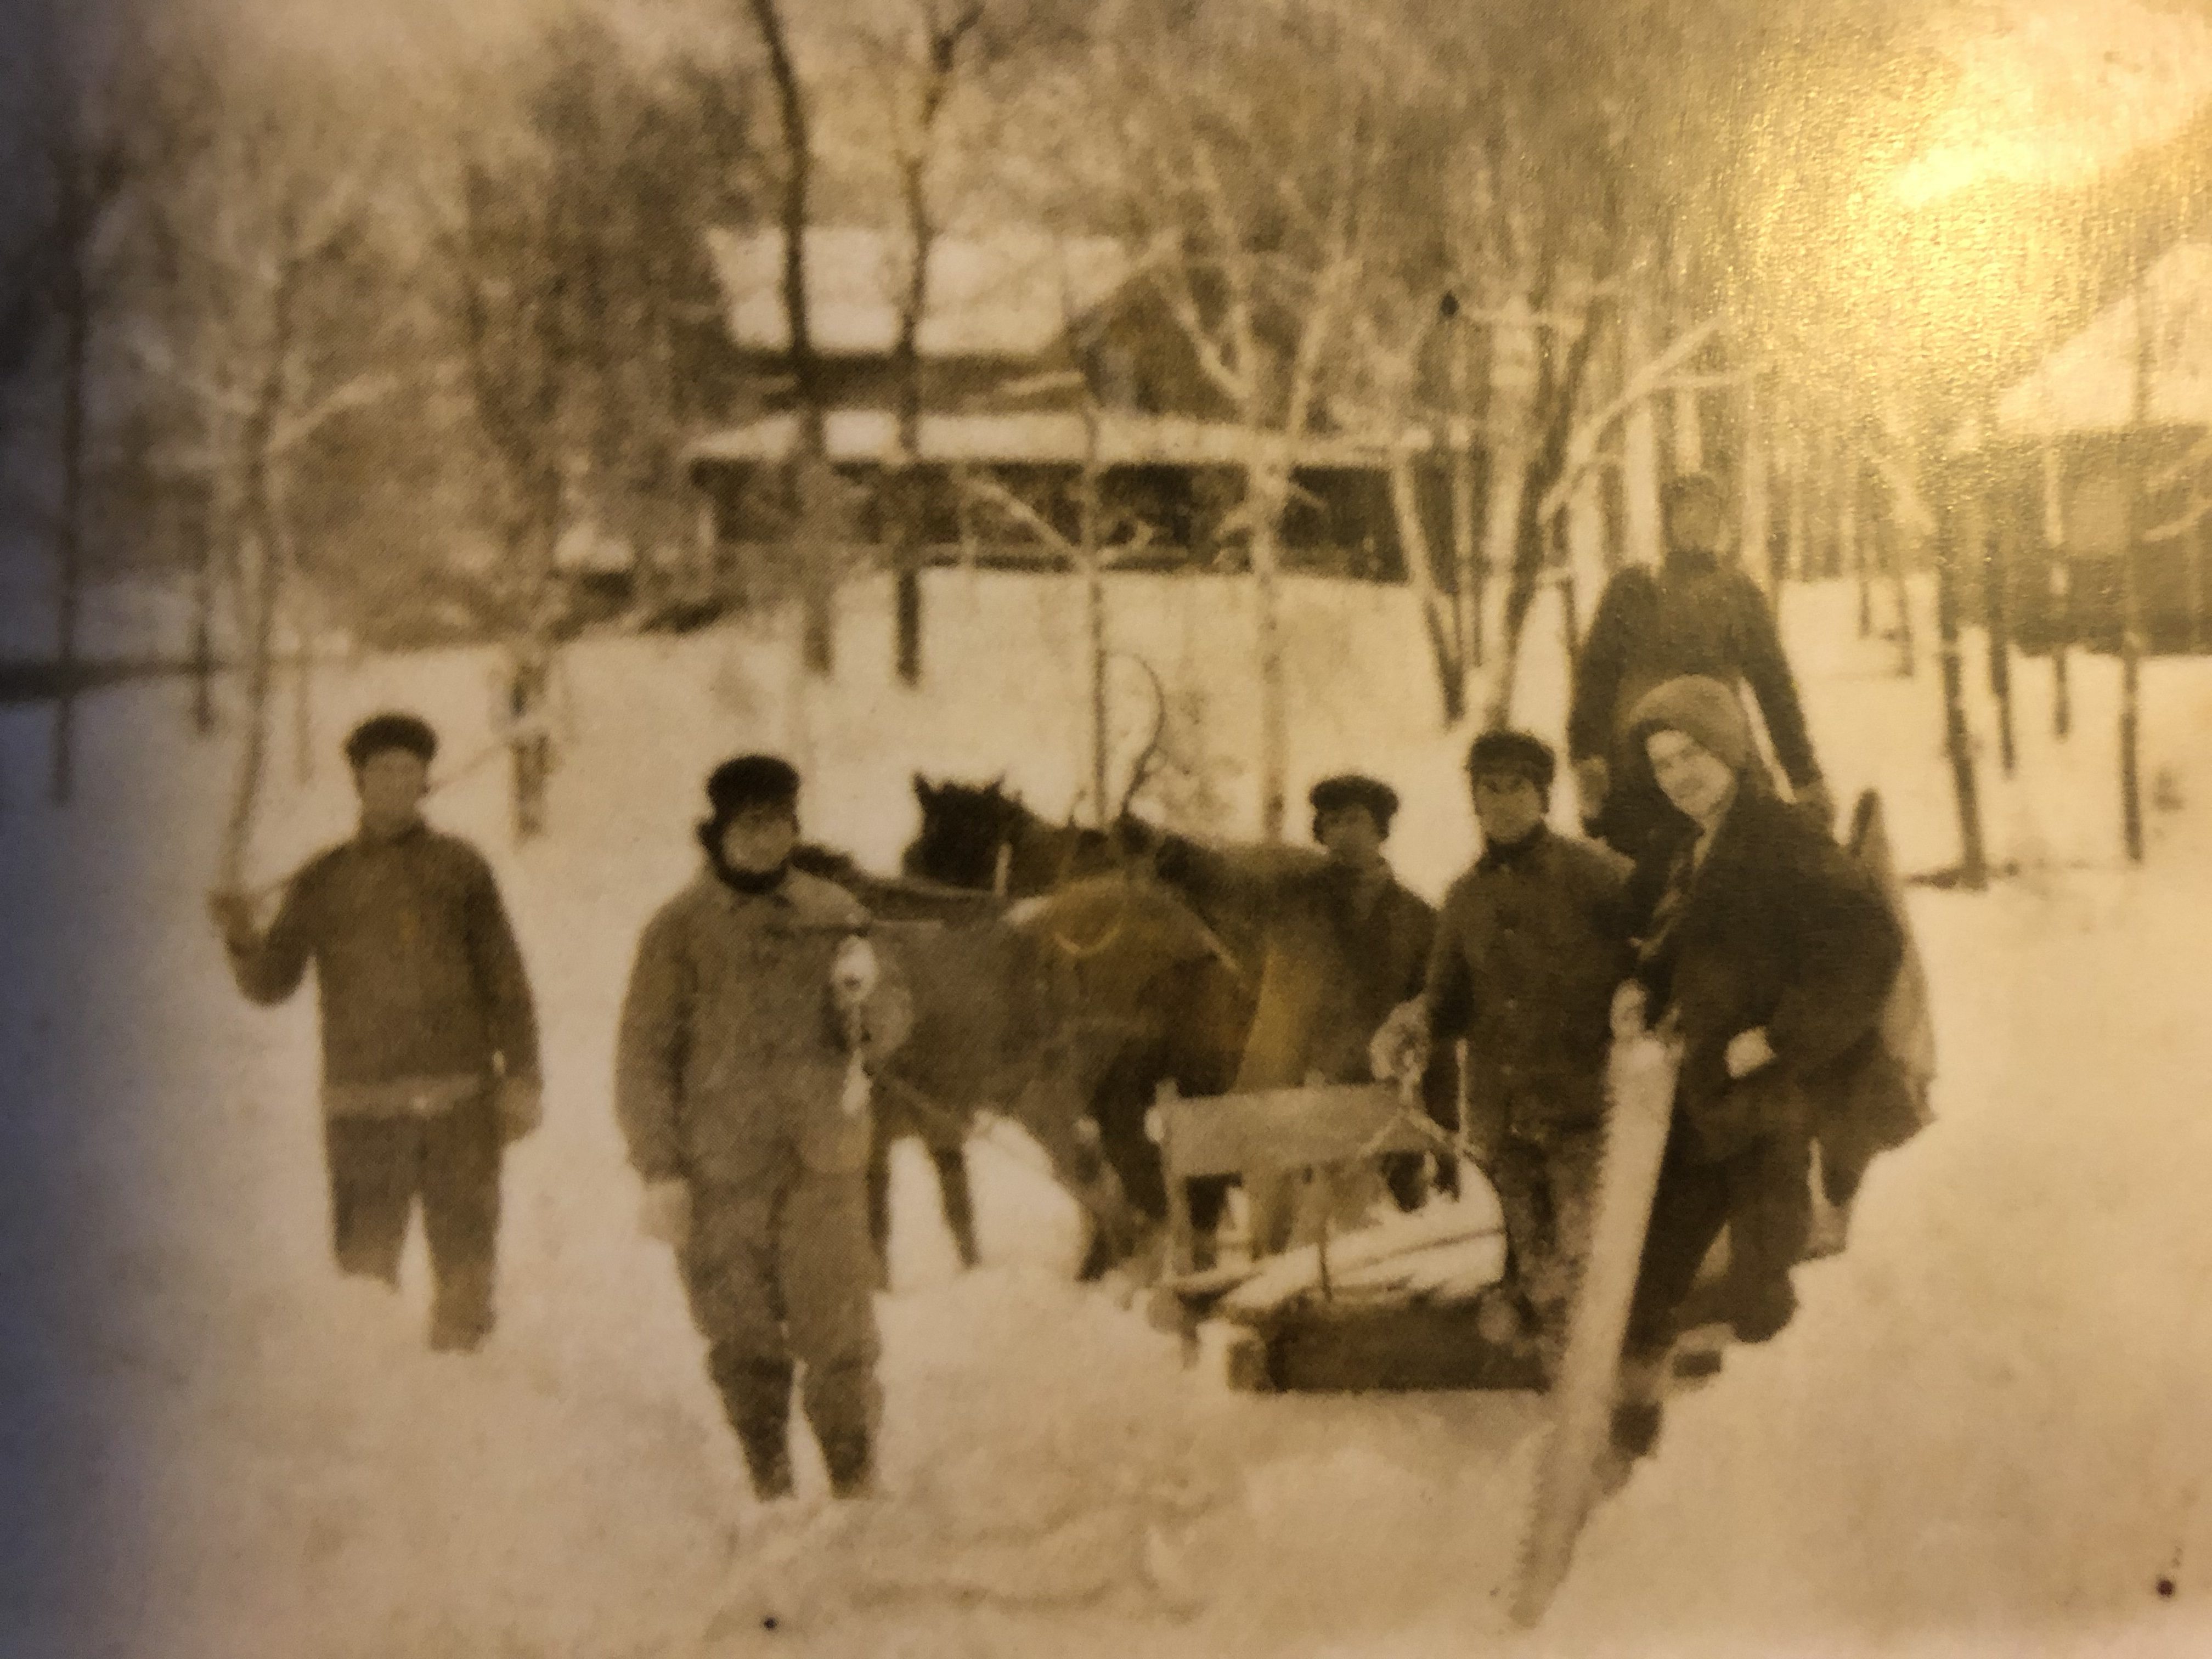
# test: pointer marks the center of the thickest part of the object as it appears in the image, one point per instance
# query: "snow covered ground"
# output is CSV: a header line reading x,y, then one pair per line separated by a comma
x,y
1986,1433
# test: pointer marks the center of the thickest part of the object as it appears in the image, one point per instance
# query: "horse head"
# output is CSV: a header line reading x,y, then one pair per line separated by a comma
x,y
966,828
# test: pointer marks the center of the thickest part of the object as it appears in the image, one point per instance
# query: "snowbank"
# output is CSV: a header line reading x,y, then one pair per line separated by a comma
x,y
1984,1432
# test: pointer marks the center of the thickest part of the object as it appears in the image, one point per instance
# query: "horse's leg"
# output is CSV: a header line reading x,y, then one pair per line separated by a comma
x,y
958,1198
1123,1099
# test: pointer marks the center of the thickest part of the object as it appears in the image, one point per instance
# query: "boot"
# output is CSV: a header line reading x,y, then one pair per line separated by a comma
x,y
461,1311
851,1459
757,1399
767,1460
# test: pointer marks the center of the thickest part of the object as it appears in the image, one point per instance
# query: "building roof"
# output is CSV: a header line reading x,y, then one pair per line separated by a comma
x,y
1035,439
2088,385
1009,294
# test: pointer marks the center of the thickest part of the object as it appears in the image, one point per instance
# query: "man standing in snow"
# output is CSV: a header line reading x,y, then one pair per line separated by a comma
x,y
429,1038
1531,945
1696,615
1341,943
755,1009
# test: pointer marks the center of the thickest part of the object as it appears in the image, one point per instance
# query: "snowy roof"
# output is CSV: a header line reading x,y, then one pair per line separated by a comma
x,y
1030,438
1009,294
2088,385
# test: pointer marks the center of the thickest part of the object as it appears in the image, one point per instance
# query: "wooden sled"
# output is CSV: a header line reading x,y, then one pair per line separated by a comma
x,y
1405,1303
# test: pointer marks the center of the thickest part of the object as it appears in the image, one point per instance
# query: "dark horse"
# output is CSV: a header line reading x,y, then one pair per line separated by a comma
x,y
979,836
1159,998
997,1026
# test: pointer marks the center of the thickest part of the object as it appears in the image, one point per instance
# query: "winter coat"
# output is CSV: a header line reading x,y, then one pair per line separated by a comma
x,y
731,1064
1778,928
1331,968
1531,948
422,989
1698,616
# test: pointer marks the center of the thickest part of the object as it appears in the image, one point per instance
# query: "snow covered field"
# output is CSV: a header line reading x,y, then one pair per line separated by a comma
x,y
1986,1433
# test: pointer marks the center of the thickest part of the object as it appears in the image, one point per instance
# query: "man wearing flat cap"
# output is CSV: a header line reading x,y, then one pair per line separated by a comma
x,y
1531,946
429,1038
1339,943
756,1009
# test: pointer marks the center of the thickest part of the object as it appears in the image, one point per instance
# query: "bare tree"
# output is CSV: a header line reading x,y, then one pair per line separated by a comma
x,y
818,529
84,165
265,341
1252,171
920,61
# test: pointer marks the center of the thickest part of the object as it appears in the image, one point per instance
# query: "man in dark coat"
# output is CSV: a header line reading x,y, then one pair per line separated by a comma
x,y
1532,943
1696,615
429,1039
1340,945
1769,955
754,1010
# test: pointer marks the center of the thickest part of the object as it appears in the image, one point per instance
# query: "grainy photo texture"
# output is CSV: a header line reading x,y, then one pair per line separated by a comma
x,y
979,828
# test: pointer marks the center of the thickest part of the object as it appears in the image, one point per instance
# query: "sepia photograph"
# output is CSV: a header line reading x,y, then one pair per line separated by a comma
x,y
1212,829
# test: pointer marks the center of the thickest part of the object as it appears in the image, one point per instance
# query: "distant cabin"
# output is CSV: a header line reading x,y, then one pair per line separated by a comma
x,y
1033,349
2046,492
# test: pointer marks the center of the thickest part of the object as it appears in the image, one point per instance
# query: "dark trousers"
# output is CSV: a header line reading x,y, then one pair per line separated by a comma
x,y
778,1270
379,1166
1761,1195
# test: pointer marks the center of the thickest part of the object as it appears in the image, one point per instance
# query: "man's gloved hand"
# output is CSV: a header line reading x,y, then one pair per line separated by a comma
x,y
520,1104
1593,782
1399,1051
1814,800
665,1212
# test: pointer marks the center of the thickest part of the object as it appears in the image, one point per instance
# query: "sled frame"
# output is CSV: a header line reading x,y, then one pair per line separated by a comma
x,y
1323,1125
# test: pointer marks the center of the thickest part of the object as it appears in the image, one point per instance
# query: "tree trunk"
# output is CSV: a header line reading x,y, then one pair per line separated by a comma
x,y
1094,606
202,647
2131,824
2200,534
303,700
1757,556
70,561
903,515
2061,591
257,518
1560,391
1797,549
1973,862
818,543
1438,618
1274,714
1850,545
1997,553
1899,561
1467,539
1639,448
